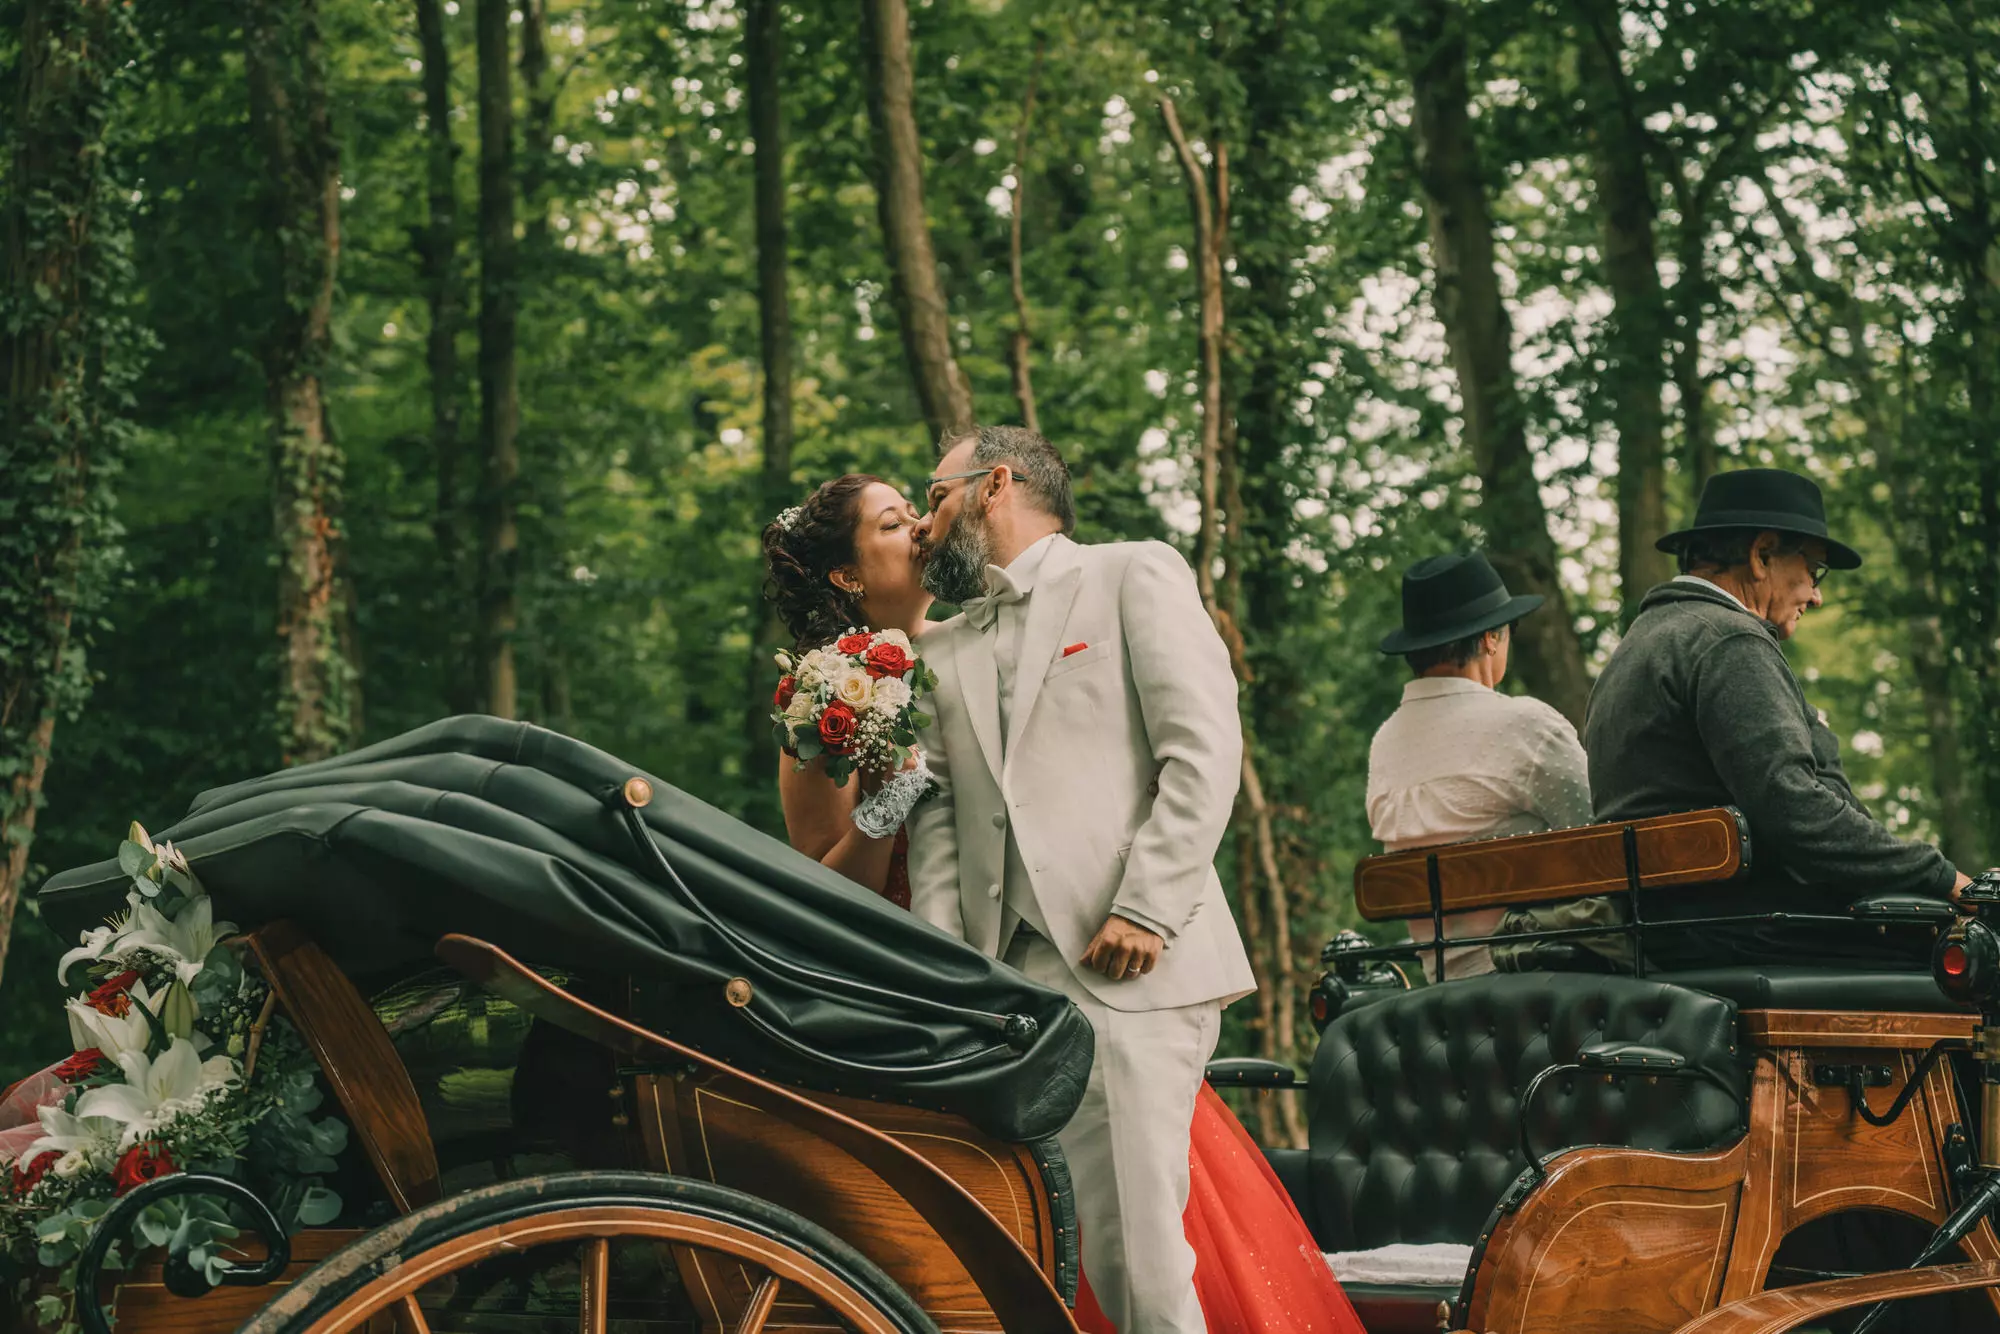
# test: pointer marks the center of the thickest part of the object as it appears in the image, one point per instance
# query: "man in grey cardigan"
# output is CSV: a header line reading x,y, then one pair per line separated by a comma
x,y
1698,707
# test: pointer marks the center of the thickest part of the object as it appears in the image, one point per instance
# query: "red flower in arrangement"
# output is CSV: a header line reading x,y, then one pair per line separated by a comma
x,y
24,1181
80,1066
788,686
112,997
836,728
888,660
855,643
143,1163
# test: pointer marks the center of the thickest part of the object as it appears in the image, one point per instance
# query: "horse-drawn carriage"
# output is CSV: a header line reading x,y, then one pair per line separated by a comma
x,y
612,1060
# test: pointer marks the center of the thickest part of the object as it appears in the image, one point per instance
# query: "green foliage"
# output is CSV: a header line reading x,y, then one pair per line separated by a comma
x,y
641,500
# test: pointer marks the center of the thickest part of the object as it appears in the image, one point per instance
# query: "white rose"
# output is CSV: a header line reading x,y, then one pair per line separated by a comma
x,y
70,1163
854,689
891,694
802,707
896,637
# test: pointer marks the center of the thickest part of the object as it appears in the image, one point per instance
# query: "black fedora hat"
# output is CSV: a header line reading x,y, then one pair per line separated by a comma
x,y
1764,500
1450,597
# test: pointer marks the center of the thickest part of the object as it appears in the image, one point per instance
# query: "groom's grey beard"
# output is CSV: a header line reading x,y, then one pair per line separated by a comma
x,y
955,569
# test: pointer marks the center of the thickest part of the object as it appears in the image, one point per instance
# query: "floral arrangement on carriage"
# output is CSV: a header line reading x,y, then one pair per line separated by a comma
x,y
852,704
180,1065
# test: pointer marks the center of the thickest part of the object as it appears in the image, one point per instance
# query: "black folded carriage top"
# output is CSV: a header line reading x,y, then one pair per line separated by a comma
x,y
523,837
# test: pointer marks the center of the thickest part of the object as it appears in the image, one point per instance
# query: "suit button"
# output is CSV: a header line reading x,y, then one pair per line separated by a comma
x,y
1153,788
999,819
993,891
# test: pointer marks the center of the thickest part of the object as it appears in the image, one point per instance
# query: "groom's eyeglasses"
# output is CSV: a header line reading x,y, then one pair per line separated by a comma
x,y
934,489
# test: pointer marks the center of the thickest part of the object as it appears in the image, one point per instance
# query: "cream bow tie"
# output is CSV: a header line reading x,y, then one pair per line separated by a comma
x,y
983,612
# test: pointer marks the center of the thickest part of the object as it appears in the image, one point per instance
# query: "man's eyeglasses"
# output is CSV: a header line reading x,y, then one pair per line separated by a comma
x,y
934,494
1818,569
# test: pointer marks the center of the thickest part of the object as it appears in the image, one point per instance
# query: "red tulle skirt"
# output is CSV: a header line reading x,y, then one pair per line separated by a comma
x,y
1257,1269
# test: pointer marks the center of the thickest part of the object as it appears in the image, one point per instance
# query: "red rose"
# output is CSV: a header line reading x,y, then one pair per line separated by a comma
x,y
80,1066
25,1181
888,660
111,997
836,728
142,1163
855,643
788,686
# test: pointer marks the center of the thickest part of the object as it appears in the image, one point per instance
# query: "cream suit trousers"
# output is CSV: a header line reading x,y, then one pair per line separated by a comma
x,y
1127,1148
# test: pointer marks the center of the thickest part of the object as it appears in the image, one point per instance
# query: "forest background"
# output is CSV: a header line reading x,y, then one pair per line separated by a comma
x,y
365,361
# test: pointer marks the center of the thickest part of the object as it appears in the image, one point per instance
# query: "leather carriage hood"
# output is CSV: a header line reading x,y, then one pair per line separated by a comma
x,y
1413,1102
501,830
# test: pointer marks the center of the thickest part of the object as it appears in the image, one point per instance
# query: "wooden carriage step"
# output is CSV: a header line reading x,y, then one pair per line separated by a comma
x,y
1689,848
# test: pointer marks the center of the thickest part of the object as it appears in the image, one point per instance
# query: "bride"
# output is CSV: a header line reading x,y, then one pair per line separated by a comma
x,y
848,558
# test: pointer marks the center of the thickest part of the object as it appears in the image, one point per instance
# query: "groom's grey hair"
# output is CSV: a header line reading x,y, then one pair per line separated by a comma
x,y
1034,461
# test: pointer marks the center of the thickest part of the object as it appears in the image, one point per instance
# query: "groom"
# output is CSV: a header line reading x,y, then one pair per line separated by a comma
x,y
1088,752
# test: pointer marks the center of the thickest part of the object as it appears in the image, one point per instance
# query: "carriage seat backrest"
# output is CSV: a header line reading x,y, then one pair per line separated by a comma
x,y
1687,848
1413,1102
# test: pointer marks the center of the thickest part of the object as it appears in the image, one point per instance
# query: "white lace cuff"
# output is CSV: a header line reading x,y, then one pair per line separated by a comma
x,y
881,815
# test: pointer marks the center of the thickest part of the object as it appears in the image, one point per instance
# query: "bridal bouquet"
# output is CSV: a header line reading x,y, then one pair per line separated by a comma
x,y
853,703
180,1065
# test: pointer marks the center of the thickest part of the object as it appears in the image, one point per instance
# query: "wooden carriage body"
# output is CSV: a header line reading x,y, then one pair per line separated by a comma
x,y
858,1203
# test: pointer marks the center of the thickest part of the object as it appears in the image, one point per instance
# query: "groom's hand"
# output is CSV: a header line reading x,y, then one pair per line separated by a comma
x,y
1122,949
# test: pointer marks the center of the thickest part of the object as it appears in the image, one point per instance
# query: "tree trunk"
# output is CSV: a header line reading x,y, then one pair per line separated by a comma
x,y
499,405
1276,1035
1467,297
1019,346
925,323
764,53
55,450
285,64
1691,308
1636,342
444,293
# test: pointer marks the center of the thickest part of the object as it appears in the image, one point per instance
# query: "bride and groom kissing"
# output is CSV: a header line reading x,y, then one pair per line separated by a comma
x,y
1084,767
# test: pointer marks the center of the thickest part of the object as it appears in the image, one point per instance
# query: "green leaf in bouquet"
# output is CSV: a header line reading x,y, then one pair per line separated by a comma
x,y
318,1207
89,1210
48,1311
809,748
329,1136
114,1256
54,1229
903,737
920,720
133,859
153,1226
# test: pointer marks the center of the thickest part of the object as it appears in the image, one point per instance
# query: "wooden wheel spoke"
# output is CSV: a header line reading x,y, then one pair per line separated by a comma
x,y
410,1317
595,1312
758,1310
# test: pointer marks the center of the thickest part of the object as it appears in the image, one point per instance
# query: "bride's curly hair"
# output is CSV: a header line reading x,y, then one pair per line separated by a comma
x,y
802,548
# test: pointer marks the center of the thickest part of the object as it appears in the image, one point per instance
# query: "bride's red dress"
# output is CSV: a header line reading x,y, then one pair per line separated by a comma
x,y
1257,1269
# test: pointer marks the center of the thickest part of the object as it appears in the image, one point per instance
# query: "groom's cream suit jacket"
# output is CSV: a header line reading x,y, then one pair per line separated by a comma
x,y
1120,772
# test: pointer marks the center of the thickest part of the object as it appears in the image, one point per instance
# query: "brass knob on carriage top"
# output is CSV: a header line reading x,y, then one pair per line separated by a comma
x,y
737,992
638,792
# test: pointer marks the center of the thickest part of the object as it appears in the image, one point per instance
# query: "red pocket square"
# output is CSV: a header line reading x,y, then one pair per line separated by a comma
x,y
1075,648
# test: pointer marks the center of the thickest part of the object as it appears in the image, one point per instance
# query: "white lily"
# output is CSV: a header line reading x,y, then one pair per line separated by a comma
x,y
113,1034
156,1091
100,942
185,939
93,1137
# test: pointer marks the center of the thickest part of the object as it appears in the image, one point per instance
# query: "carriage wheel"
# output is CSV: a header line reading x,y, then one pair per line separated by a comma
x,y
583,1214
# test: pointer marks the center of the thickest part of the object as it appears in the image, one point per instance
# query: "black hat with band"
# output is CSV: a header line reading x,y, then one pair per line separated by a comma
x,y
1764,500
1446,598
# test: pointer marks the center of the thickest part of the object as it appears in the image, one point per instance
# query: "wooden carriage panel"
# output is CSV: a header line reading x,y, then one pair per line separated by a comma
x,y
1811,1156
691,1127
1690,848
1808,1305
356,1057
1007,1275
144,1305
1570,1257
